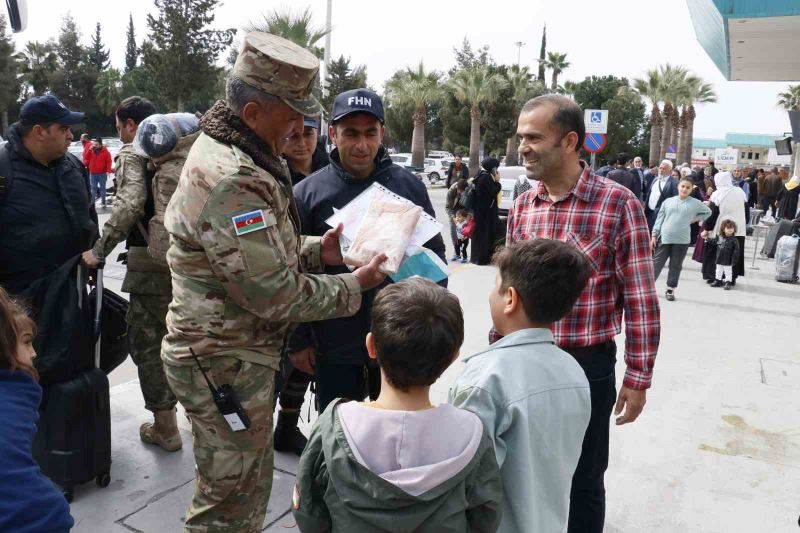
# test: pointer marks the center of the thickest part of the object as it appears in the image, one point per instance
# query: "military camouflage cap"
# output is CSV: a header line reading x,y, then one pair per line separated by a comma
x,y
281,68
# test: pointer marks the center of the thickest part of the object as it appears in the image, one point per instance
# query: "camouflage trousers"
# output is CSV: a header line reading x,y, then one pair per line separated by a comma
x,y
146,320
233,470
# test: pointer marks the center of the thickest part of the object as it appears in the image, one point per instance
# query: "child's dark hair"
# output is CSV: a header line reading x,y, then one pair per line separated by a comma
x,y
461,184
727,223
418,328
548,275
14,320
461,213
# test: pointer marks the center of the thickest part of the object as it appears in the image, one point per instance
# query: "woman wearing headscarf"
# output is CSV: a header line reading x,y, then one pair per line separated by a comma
x,y
484,211
787,199
727,202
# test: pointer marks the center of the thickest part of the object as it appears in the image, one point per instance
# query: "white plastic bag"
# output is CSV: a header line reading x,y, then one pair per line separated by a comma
x,y
786,259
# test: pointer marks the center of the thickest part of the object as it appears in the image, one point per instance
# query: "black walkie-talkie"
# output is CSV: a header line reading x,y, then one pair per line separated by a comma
x,y
226,401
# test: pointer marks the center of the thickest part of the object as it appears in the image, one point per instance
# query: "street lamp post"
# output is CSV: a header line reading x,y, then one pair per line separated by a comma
x,y
326,65
519,44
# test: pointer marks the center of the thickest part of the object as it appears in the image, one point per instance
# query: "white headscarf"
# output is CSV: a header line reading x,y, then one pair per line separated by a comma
x,y
724,183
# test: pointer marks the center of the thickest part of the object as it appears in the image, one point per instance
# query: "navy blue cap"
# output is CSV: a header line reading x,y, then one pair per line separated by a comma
x,y
311,122
357,101
48,109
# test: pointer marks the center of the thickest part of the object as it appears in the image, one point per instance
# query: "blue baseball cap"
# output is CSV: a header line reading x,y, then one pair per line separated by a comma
x,y
48,109
357,101
311,122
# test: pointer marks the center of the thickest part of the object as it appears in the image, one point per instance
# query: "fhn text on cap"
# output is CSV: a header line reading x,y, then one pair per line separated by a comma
x,y
48,109
357,101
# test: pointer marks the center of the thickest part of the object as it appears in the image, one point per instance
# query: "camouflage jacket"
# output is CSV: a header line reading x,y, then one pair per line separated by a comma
x,y
142,276
238,292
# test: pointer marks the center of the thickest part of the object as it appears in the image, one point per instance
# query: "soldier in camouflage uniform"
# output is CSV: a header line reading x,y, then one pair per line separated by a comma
x,y
149,284
241,276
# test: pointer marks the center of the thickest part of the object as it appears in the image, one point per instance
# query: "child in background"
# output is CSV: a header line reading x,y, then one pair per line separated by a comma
x,y
29,502
464,227
532,397
400,463
727,253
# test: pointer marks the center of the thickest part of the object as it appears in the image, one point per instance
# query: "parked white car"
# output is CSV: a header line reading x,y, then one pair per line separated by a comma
x,y
508,179
435,169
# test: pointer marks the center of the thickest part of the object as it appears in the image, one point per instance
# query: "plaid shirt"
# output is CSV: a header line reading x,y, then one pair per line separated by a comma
x,y
605,221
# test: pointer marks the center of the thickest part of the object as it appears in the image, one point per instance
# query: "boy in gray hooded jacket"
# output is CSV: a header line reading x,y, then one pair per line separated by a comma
x,y
400,464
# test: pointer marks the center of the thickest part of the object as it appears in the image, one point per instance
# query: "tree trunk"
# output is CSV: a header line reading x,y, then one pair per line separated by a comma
x,y
418,138
680,156
5,121
666,131
554,86
673,136
180,105
796,162
512,155
655,135
474,138
689,134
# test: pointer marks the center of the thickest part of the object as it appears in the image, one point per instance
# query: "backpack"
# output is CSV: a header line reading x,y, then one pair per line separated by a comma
x,y
165,181
468,197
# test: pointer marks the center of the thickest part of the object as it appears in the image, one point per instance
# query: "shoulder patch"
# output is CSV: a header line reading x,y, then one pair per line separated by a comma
x,y
249,222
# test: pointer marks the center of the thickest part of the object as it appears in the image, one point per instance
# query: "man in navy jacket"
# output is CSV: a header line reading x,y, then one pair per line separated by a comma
x,y
659,189
335,349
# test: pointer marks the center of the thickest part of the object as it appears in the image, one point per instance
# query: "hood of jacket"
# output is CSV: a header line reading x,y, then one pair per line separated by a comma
x,y
400,460
383,163
223,125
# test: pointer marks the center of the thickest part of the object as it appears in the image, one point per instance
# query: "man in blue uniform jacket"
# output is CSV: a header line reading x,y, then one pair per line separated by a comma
x,y
335,349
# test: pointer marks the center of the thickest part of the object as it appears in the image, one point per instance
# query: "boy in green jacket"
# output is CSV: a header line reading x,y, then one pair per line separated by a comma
x,y
400,464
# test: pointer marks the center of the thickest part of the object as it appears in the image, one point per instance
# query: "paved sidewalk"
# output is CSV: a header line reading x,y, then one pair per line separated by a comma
x,y
717,448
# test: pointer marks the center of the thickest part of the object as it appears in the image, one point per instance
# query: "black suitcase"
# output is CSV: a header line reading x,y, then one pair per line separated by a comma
x,y
73,441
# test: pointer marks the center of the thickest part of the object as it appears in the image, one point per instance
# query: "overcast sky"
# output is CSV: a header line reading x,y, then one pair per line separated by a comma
x,y
620,37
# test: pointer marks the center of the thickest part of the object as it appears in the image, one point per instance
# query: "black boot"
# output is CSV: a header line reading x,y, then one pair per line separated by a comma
x,y
288,437
717,283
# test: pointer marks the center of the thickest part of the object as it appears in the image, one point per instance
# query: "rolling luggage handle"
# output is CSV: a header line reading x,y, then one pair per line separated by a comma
x,y
98,308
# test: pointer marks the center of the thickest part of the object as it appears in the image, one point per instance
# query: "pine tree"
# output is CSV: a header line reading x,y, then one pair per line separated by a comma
x,y
71,58
542,55
98,55
131,50
185,49
9,66
341,78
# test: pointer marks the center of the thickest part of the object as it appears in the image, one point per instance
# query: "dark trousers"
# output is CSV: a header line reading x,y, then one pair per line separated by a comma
x,y
676,253
293,391
587,508
461,249
354,382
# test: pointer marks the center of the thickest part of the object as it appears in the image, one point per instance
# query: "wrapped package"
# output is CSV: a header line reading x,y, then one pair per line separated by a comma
x,y
159,134
386,228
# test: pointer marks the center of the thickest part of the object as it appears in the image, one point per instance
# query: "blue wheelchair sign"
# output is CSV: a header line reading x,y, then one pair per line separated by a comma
x,y
596,117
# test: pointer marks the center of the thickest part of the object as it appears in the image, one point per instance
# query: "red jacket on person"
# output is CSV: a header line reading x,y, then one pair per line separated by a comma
x,y
99,161
86,147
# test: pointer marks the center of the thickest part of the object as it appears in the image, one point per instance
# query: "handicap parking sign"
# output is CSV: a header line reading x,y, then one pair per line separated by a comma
x,y
596,120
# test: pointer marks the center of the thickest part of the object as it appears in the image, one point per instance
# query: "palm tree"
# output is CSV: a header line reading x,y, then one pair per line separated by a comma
x,y
696,92
557,63
107,90
420,89
790,100
39,61
294,27
472,87
569,88
650,87
672,86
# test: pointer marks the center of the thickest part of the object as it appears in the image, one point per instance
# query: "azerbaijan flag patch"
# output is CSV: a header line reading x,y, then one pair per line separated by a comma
x,y
252,221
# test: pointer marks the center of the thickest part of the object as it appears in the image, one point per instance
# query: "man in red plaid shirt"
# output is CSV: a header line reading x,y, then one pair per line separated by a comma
x,y
606,222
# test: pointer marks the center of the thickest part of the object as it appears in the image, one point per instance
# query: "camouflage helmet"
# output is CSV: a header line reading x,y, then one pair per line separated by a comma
x,y
279,67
